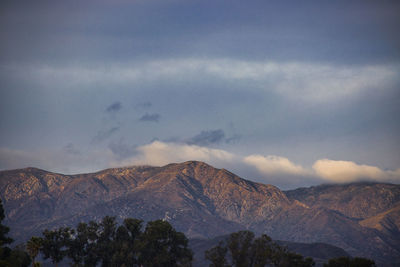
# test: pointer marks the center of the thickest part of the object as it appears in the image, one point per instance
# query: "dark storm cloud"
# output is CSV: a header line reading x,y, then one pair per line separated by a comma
x,y
206,138
154,117
114,107
103,135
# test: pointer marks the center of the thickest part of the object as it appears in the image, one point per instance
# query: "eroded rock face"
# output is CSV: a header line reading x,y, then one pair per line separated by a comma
x,y
204,202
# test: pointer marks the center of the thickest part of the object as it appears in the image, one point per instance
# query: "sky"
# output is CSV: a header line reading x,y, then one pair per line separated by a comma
x,y
291,93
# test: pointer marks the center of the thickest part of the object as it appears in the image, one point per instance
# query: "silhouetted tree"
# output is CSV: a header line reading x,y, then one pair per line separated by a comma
x,y
54,244
4,239
262,251
350,262
16,257
217,255
127,242
105,244
106,240
240,246
161,245
245,251
33,247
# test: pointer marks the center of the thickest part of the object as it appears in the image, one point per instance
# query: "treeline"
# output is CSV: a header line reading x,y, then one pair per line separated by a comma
x,y
157,244
242,249
107,244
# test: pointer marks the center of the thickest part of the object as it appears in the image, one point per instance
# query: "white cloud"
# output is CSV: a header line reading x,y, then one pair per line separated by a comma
x,y
277,170
161,153
273,165
347,171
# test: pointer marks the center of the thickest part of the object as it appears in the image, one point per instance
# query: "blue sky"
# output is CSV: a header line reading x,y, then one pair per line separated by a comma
x,y
283,92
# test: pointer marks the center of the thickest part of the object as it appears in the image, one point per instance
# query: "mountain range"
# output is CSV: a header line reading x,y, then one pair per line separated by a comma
x,y
205,202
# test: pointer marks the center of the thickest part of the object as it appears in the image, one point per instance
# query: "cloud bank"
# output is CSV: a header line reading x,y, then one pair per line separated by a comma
x,y
339,171
270,168
161,153
272,165
273,169
311,82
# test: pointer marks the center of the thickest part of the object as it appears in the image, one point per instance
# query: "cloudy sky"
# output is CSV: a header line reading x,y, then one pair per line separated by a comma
x,y
292,93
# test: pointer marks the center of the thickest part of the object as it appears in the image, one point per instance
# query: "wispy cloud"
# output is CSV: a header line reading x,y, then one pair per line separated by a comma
x,y
315,82
154,117
205,138
122,150
114,107
143,105
70,148
103,135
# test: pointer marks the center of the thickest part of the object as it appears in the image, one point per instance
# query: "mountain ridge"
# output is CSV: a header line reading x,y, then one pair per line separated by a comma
x,y
205,202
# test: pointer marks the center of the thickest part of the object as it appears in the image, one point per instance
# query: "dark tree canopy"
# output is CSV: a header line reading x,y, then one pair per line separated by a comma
x,y
33,247
16,257
241,249
217,255
107,244
55,243
350,262
4,239
161,245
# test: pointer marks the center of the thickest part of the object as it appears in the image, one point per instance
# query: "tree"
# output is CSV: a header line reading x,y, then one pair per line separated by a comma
x,y
54,244
350,262
217,255
243,250
105,244
105,240
240,246
4,239
262,251
126,243
17,258
161,245
33,247
10,257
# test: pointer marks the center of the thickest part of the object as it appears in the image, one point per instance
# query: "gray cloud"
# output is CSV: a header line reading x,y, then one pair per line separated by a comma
x,y
114,107
144,105
206,138
71,149
103,135
122,150
209,137
154,117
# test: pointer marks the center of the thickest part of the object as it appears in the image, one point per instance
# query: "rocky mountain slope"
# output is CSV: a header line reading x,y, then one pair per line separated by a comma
x,y
205,202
